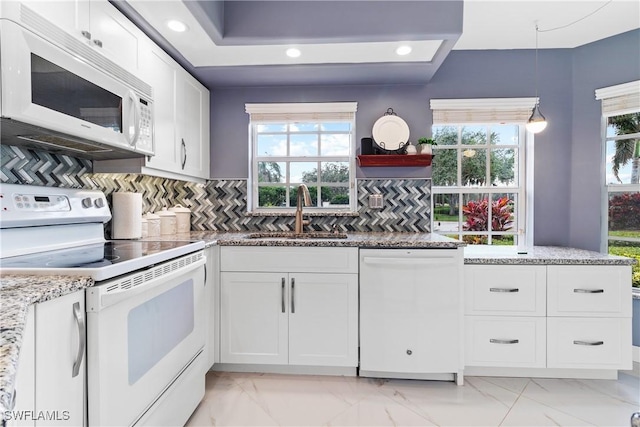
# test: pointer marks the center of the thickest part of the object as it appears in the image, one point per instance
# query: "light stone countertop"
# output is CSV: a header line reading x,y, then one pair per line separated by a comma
x,y
17,293
539,255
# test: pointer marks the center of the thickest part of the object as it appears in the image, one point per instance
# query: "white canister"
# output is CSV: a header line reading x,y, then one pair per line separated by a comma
x,y
183,218
411,149
167,222
153,225
144,226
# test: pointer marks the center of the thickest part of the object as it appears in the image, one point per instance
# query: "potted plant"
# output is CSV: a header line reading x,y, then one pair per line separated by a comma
x,y
425,145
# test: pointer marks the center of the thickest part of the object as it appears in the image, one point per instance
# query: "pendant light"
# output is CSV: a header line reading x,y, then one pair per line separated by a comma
x,y
537,122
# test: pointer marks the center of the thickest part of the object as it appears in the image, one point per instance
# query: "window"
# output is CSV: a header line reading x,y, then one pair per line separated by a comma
x,y
305,143
479,185
621,206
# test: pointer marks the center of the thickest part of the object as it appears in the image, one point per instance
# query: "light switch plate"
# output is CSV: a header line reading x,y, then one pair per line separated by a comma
x,y
375,201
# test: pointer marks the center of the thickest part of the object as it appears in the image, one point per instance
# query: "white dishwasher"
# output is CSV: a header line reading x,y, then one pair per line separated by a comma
x,y
411,313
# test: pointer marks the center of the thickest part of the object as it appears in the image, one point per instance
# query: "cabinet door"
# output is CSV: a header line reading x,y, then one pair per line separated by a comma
x,y
323,319
114,35
72,16
159,71
192,118
60,338
253,318
25,383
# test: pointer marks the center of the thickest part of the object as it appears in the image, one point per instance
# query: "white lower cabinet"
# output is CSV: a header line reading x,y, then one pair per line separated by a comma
x,y
288,318
572,319
52,368
505,341
588,343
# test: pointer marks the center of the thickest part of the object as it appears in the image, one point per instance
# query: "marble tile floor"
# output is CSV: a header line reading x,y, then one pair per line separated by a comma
x,y
241,399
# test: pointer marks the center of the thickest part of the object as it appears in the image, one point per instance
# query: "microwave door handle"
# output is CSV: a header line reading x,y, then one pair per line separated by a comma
x,y
136,119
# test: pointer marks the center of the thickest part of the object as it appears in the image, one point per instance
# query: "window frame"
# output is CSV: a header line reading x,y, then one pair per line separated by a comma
x,y
493,112
289,113
523,190
615,101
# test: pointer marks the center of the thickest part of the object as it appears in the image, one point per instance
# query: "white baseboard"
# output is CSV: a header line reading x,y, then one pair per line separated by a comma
x,y
636,354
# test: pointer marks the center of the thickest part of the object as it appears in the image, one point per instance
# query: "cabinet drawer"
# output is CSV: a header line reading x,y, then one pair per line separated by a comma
x,y
505,341
290,259
590,291
505,290
603,343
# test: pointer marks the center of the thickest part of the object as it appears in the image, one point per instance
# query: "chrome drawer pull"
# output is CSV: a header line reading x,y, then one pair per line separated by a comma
x,y
588,342
504,290
588,291
496,341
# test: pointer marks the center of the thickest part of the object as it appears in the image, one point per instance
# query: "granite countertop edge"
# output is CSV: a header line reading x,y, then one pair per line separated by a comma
x,y
17,293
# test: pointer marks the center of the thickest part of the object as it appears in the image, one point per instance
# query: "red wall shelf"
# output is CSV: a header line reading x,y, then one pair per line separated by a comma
x,y
366,160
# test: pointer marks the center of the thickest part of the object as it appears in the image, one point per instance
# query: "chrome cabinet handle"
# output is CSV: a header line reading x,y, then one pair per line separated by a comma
x,y
82,330
86,34
497,341
184,153
97,43
588,291
205,274
504,290
590,343
293,295
282,292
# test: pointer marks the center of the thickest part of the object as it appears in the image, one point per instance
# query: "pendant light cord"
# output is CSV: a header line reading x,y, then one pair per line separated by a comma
x,y
571,23
536,68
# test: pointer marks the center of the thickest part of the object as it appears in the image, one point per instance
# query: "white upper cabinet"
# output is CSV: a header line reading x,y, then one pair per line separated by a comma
x,y
181,118
97,23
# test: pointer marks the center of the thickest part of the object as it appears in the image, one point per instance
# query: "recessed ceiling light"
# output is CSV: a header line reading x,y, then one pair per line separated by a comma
x,y
403,50
177,26
293,52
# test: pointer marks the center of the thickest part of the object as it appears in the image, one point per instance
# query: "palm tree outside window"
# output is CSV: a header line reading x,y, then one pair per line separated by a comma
x,y
623,187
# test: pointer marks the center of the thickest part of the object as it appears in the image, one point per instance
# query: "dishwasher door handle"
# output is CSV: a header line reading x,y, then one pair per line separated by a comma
x,y
408,261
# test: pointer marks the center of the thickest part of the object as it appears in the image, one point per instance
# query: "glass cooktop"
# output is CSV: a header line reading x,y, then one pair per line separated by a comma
x,y
101,260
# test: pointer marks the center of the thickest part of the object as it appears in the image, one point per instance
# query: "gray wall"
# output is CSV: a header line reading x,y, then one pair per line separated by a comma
x,y
567,154
229,122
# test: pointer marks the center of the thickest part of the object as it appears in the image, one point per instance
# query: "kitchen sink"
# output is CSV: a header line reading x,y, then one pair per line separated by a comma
x,y
292,235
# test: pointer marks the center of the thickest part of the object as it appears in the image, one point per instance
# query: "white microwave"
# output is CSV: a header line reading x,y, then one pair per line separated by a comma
x,y
59,95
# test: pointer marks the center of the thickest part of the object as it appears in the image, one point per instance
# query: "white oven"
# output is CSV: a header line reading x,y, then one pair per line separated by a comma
x,y
146,332
59,94
145,315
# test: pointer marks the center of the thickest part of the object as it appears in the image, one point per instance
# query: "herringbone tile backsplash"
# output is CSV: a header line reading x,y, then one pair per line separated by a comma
x,y
221,205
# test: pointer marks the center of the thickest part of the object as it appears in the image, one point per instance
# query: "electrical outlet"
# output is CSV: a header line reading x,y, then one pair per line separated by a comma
x,y
375,201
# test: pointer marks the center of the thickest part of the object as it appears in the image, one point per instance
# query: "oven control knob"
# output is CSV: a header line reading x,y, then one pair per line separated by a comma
x,y
87,202
99,203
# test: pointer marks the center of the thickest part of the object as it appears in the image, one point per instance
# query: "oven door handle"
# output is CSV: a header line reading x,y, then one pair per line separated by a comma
x,y
82,339
109,299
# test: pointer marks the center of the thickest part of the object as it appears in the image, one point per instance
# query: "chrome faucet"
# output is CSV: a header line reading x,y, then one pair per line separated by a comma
x,y
303,195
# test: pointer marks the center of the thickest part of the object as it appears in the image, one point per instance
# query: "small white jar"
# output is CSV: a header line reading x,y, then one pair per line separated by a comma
x,y
183,218
144,226
167,222
153,225
411,149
